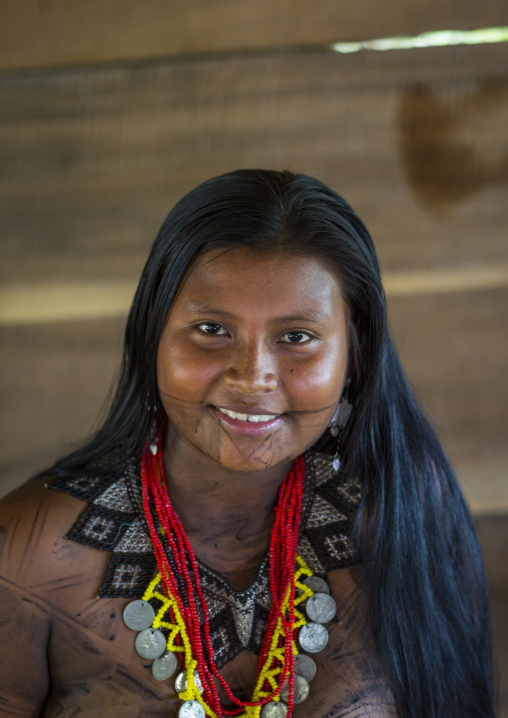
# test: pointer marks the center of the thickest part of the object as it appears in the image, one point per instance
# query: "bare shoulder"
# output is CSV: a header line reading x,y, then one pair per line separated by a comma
x,y
42,573
36,561
33,523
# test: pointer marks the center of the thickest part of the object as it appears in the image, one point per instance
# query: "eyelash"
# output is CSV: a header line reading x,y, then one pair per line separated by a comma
x,y
301,333
200,328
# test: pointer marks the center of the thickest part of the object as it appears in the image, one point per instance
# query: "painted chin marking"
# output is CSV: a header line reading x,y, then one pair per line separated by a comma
x,y
248,424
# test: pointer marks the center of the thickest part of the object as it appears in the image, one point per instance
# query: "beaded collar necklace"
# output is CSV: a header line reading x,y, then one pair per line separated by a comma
x,y
184,613
113,520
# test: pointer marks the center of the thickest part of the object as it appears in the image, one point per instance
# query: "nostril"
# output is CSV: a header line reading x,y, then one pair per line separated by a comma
x,y
250,382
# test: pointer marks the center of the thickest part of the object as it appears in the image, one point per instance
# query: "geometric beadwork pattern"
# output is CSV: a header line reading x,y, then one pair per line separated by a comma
x,y
326,542
113,520
128,575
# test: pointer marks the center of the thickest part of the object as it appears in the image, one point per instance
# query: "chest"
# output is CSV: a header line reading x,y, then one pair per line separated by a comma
x,y
94,661
93,654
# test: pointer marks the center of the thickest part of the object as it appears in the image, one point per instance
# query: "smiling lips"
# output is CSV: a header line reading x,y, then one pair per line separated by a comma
x,y
248,425
254,418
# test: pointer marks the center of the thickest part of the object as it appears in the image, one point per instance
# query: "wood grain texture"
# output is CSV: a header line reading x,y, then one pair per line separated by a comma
x,y
54,381
493,535
91,161
57,301
54,378
35,33
454,348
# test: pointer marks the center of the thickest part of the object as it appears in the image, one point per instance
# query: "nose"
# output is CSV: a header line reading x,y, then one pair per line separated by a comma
x,y
251,369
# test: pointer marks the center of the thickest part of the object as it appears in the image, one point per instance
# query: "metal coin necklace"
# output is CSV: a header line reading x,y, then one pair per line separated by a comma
x,y
179,629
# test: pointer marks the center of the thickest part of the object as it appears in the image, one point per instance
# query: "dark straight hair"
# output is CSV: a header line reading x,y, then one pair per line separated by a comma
x,y
422,567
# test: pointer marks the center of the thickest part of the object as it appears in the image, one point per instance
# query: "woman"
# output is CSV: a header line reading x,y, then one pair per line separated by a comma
x,y
281,532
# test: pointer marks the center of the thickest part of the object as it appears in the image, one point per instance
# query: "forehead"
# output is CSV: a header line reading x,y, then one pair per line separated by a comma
x,y
240,276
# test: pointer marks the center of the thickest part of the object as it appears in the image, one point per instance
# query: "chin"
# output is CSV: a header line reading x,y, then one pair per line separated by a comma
x,y
252,463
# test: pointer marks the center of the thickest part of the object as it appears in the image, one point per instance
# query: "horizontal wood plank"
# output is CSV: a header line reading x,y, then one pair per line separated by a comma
x,y
52,301
493,535
90,162
454,348
63,32
54,378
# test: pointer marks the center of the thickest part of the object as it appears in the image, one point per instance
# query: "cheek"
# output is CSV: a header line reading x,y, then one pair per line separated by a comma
x,y
319,381
185,376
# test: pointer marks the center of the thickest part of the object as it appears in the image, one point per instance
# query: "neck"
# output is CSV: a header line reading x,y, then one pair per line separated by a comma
x,y
227,515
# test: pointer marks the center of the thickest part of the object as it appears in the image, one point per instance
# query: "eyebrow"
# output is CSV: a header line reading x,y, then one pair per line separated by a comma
x,y
308,315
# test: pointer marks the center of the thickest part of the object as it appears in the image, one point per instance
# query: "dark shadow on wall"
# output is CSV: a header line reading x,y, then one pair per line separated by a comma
x,y
452,147
493,534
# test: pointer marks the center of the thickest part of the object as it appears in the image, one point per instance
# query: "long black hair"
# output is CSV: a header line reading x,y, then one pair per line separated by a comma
x,y
422,567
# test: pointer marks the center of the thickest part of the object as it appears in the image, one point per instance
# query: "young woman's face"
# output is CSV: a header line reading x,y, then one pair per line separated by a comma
x,y
253,357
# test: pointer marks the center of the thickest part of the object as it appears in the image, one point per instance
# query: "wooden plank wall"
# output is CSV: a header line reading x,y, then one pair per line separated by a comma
x,y
111,109
42,33
108,115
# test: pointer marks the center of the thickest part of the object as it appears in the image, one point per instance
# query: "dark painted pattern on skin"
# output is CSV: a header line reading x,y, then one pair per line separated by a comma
x,y
360,711
214,442
65,653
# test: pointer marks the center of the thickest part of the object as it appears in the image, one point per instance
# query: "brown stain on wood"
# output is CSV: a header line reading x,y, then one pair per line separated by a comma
x,y
91,161
444,142
77,152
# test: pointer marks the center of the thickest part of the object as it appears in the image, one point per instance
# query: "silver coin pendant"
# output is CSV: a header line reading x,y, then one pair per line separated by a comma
x,y
313,637
181,682
138,615
150,643
164,666
300,690
274,709
316,584
321,608
191,709
305,666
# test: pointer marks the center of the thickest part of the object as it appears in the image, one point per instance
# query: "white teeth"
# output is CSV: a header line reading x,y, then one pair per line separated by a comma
x,y
248,417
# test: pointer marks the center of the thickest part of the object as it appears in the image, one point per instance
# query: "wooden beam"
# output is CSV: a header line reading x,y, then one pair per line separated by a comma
x,y
54,378
91,162
82,301
66,32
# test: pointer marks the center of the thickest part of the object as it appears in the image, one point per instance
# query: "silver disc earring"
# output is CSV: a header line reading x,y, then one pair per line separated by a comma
x,y
339,421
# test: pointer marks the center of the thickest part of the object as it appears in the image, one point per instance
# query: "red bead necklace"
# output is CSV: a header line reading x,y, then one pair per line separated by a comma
x,y
180,578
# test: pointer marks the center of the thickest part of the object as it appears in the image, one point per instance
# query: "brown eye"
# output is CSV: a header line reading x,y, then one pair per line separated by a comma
x,y
211,328
296,337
